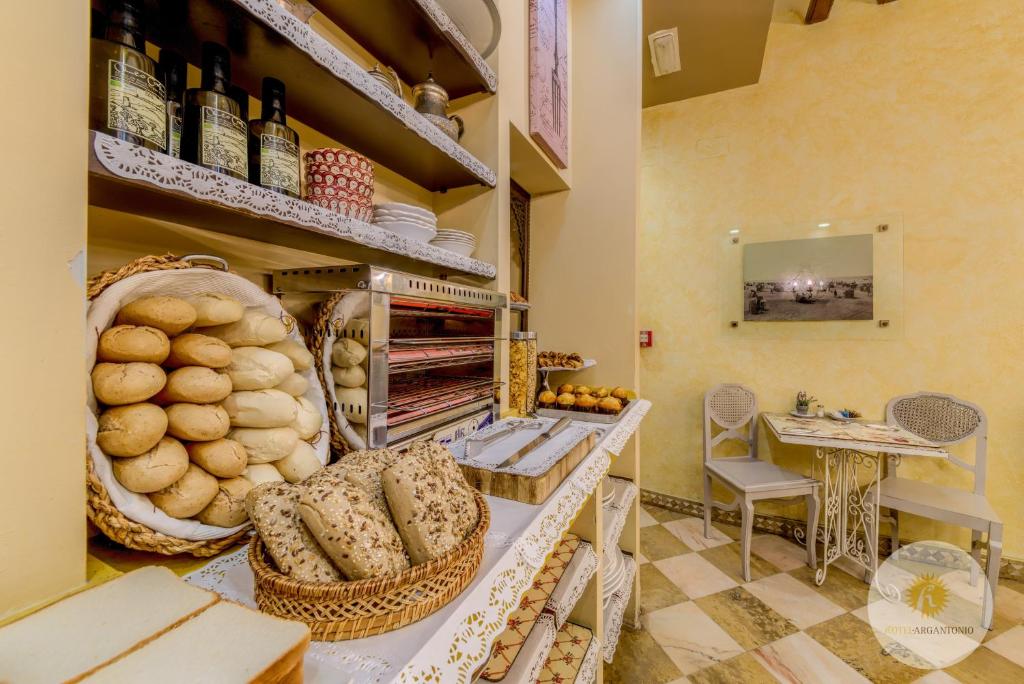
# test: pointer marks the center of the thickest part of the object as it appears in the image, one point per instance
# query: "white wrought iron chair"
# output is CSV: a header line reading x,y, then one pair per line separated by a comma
x,y
946,420
750,479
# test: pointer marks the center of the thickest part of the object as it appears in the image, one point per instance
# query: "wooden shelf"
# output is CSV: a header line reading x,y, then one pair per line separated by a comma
x,y
415,38
326,89
130,178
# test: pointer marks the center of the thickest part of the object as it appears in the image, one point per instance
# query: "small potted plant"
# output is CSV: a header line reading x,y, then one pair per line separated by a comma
x,y
803,403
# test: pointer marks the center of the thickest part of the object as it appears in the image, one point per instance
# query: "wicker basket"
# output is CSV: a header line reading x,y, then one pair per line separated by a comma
x,y
100,509
315,341
338,611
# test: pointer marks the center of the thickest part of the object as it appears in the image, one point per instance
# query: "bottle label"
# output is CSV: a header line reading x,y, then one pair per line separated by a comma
x,y
174,135
135,103
279,163
222,141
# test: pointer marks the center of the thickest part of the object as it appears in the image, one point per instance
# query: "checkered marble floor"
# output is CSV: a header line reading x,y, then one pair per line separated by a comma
x,y
703,623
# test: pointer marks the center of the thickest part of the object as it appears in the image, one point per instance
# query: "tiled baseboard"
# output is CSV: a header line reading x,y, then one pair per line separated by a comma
x,y
1009,568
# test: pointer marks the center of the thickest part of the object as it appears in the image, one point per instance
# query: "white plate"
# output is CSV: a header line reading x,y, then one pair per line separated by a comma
x,y
406,214
413,231
478,20
406,208
457,247
385,221
448,232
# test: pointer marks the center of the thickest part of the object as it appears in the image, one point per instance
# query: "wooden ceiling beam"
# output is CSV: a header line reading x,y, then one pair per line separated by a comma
x,y
817,10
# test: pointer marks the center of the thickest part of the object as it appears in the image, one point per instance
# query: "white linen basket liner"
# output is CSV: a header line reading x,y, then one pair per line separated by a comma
x,y
178,283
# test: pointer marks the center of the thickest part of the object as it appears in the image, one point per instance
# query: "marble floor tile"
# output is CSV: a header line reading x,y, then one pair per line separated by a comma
x,y
689,637
795,601
694,575
646,518
639,658
1009,644
799,659
745,617
731,531
985,666
658,591
728,559
783,554
743,668
937,677
1009,610
662,514
862,613
839,587
691,532
656,543
854,642
641,559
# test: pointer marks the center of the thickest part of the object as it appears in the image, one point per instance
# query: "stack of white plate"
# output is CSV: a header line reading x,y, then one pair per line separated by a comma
x,y
458,241
614,570
608,491
409,220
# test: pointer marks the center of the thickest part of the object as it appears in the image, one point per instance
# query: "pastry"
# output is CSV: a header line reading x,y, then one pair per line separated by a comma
x,y
169,314
566,400
601,392
130,430
586,402
582,389
546,398
621,393
126,343
566,389
609,405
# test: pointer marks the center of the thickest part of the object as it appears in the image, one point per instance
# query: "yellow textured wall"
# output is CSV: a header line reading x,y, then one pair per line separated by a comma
x,y
42,239
911,108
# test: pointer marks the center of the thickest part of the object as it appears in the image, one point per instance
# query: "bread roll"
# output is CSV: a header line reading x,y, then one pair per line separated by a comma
x,y
228,507
346,353
417,496
193,349
353,403
272,508
352,376
295,385
213,308
255,329
254,368
221,457
116,384
308,419
194,385
170,314
189,495
261,473
159,467
197,422
126,343
266,445
300,464
130,430
267,408
296,351
358,329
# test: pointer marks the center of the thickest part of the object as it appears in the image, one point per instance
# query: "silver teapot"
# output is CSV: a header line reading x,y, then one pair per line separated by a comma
x,y
431,100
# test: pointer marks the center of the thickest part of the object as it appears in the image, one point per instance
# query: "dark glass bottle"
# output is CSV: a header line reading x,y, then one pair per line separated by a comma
x,y
126,99
214,136
273,147
175,73
239,95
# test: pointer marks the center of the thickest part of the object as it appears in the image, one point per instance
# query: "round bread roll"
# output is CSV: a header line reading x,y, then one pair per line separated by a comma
x,y
193,349
221,457
159,467
261,473
352,376
228,507
295,385
308,419
254,329
190,494
170,314
213,308
254,368
300,464
116,384
267,408
127,343
265,445
195,385
130,430
296,351
346,353
353,403
197,422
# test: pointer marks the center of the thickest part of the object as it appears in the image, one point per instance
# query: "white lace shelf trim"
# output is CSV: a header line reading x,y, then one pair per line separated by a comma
x,y
574,582
615,612
591,661
616,512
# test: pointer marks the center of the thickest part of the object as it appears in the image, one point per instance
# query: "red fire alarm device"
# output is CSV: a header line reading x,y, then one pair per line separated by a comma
x,y
646,338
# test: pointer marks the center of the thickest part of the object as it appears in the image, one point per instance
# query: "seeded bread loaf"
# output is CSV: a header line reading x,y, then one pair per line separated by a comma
x,y
272,509
417,495
462,504
363,469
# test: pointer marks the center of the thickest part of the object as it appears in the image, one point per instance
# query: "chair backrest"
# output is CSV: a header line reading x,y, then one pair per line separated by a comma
x,y
730,406
944,419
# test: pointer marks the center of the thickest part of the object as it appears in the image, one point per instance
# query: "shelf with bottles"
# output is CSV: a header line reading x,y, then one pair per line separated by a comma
x,y
326,89
417,39
130,178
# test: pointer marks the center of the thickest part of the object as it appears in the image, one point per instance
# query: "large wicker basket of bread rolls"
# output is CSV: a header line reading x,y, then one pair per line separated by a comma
x,y
189,405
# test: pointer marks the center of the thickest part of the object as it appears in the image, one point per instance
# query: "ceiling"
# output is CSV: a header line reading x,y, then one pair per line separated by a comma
x,y
721,45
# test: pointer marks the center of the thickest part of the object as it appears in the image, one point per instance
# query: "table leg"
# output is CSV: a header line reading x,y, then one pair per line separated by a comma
x,y
849,512
828,462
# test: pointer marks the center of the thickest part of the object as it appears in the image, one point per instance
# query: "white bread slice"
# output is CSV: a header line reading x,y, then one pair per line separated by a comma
x,y
87,630
227,643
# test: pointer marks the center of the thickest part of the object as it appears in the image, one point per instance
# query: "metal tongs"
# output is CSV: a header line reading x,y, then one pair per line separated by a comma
x,y
476,444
